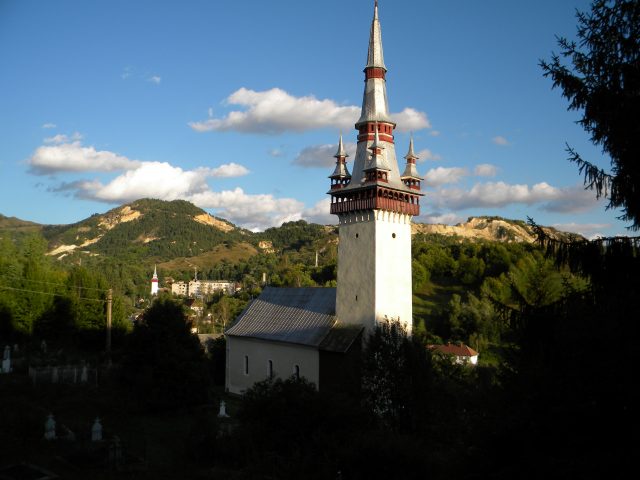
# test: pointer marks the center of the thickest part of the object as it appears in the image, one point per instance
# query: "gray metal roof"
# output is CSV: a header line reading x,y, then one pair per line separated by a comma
x,y
303,316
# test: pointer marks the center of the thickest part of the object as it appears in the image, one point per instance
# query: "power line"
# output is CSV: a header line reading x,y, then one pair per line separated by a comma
x,y
50,293
64,285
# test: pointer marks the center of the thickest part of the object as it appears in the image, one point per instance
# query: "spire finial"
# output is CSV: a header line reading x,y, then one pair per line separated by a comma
x,y
411,156
341,151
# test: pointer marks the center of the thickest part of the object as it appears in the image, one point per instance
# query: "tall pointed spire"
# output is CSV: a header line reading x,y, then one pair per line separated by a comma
x,y
374,103
375,174
375,56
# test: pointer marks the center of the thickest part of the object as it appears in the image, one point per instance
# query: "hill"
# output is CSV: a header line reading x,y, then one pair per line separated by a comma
x,y
179,236
15,225
144,229
492,229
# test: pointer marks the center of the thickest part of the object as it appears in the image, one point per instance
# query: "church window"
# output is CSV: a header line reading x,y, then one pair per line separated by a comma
x,y
270,369
356,235
393,235
246,364
296,371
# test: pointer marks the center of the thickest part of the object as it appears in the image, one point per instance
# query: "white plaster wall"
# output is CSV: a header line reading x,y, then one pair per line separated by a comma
x,y
355,296
374,269
283,356
393,267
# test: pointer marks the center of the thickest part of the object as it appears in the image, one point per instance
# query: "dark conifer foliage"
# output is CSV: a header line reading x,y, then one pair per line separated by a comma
x,y
603,82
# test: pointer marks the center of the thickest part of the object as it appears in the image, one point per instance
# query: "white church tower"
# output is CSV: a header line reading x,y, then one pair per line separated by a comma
x,y
374,205
154,282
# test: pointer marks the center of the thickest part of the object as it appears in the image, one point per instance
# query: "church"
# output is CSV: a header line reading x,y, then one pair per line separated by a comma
x,y
315,332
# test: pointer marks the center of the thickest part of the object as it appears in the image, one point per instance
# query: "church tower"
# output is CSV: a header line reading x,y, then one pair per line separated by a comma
x,y
374,205
154,282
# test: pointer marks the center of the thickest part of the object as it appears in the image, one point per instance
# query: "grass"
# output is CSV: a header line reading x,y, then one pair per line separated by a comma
x,y
433,297
231,253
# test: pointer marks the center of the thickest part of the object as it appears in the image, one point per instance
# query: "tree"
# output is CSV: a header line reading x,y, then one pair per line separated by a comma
x,y
603,82
396,373
163,362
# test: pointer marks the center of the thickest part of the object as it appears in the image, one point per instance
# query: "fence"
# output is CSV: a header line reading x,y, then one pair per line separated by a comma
x,y
69,374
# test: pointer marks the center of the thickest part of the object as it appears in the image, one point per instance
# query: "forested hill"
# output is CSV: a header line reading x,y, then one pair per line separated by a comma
x,y
143,229
175,231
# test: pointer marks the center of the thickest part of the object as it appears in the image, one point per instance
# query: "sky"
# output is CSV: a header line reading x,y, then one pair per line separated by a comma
x,y
238,106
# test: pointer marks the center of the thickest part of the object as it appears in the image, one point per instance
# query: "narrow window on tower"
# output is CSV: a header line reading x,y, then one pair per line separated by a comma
x,y
246,364
296,371
393,235
270,369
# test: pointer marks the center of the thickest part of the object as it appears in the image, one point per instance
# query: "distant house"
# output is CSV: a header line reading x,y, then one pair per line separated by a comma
x,y
196,288
462,354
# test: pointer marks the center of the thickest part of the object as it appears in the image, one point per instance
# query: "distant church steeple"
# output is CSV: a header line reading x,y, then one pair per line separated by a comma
x,y
154,282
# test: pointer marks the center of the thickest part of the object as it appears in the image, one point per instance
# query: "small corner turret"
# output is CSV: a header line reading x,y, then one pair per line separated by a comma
x,y
340,177
410,175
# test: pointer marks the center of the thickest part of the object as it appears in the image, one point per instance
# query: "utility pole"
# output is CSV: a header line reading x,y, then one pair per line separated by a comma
x,y
109,302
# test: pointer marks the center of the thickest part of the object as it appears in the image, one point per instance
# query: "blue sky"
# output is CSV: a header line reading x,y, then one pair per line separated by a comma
x,y
237,107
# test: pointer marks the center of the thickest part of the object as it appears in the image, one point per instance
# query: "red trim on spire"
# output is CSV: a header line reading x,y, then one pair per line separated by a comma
x,y
374,72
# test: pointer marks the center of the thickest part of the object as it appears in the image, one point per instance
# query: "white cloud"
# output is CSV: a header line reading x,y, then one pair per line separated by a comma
x,y
410,120
49,125
572,200
485,170
150,179
442,175
442,218
589,230
276,152
73,157
494,194
319,213
276,111
255,212
126,73
229,170
434,133
500,140
322,155
155,79
427,155
501,194
61,138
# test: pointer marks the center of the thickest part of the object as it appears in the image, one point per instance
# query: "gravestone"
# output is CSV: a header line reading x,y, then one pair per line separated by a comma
x,y
223,410
96,431
6,360
50,428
